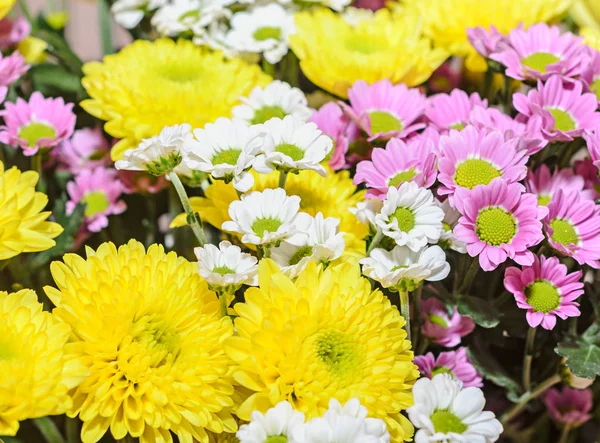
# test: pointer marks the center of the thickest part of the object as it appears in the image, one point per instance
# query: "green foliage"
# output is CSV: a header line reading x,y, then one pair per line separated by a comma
x,y
481,311
583,353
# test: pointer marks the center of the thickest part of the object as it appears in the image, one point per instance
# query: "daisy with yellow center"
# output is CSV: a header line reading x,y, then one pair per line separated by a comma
x,y
326,335
334,53
332,195
150,333
146,87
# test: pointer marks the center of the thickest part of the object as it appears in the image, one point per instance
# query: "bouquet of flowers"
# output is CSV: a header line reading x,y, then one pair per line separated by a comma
x,y
302,221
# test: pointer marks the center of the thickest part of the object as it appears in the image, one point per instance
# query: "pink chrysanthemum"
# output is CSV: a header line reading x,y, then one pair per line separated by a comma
x,y
442,328
39,123
100,190
593,143
585,169
13,31
447,77
500,222
573,227
12,67
486,42
546,290
331,120
474,157
565,111
539,52
451,111
86,149
399,162
384,110
569,406
590,73
544,184
455,363
141,182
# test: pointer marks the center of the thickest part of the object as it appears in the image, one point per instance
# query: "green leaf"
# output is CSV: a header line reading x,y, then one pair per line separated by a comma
x,y
54,80
58,47
582,354
481,311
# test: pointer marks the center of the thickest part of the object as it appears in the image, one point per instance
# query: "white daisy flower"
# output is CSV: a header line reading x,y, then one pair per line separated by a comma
x,y
225,149
324,243
445,412
226,265
281,421
129,13
268,217
366,211
448,240
405,270
181,16
263,29
277,99
159,154
292,145
410,216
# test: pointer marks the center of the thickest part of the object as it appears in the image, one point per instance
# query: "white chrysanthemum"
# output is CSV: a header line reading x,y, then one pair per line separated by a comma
x,y
181,16
292,145
354,16
366,211
226,265
281,421
324,243
405,270
263,29
129,13
268,217
159,154
213,36
410,216
448,240
348,424
445,412
336,5
277,99
225,149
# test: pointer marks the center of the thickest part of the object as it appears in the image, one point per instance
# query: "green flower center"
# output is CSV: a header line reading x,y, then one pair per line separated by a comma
x,y
336,351
562,120
539,61
495,226
269,224
595,87
7,351
406,219
223,270
401,177
564,232
193,14
446,227
154,334
438,320
362,44
229,156
266,33
441,370
34,131
446,422
276,439
458,126
474,171
96,202
265,113
542,296
382,121
544,199
292,151
303,251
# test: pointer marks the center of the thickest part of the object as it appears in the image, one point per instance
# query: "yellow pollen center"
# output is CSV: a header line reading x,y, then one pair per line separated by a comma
x,y
292,151
564,232
229,156
445,422
474,171
438,320
269,224
441,370
495,226
266,113
539,61
267,32
336,351
401,177
544,199
595,87
96,203
303,251
382,121
34,131
276,439
223,270
562,120
542,296
406,219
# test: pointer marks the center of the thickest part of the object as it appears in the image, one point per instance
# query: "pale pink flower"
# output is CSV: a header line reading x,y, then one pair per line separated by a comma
x,y
13,31
443,328
331,120
12,68
585,169
86,149
455,363
590,73
451,111
592,139
569,406
486,42
141,182
544,183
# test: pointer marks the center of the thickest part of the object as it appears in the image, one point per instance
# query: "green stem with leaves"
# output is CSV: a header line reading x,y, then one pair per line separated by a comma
x,y
469,276
527,359
527,397
405,311
49,430
268,68
193,219
376,240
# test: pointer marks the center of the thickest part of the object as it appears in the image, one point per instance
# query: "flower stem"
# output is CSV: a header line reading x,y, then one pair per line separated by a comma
x,y
105,27
564,435
292,68
507,95
268,68
25,10
72,430
49,430
405,311
416,305
282,179
36,165
469,276
192,218
542,387
528,357
375,241
224,304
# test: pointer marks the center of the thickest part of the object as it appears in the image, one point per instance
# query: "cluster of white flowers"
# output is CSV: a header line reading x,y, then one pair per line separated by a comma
x,y
348,423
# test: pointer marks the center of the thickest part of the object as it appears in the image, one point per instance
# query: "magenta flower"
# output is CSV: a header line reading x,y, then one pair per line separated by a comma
x,y
455,363
100,190
86,149
539,52
585,169
590,73
141,182
451,111
384,110
500,222
13,32
593,143
39,123
373,5
573,227
331,120
442,328
546,290
486,42
569,406
474,157
564,111
399,162
12,68
544,184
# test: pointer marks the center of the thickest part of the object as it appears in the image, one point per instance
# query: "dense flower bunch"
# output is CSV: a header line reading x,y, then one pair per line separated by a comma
x,y
302,222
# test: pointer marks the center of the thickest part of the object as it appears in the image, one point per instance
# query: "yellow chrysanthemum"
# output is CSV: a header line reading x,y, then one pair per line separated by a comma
x,y
5,7
446,21
331,195
592,37
23,228
37,366
150,85
151,334
334,54
586,13
325,335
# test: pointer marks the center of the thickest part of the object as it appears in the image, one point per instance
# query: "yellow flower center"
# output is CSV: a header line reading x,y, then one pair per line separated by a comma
x,y
458,126
542,296
402,177
179,72
7,351
474,171
595,87
539,61
446,422
269,224
495,226
292,151
266,33
382,121
276,439
303,251
336,351
544,199
446,227
34,131
406,219
441,370
564,232
96,202
265,113
438,320
562,120
223,270
229,156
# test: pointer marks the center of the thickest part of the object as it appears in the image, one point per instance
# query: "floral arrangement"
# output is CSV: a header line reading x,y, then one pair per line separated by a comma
x,y
302,221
